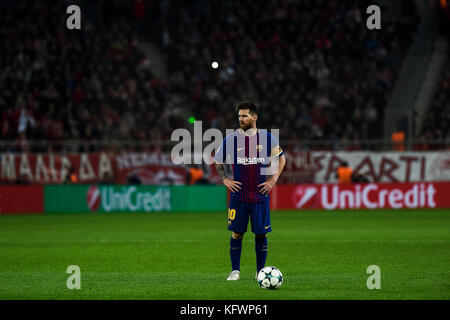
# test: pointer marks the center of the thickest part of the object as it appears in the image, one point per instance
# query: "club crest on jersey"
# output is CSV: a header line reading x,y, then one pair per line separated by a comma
x,y
248,160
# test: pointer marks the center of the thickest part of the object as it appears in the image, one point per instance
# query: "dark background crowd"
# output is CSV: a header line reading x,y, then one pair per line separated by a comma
x,y
91,85
437,120
314,69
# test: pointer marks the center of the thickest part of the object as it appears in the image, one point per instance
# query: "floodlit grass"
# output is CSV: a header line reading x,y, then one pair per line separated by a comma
x,y
322,255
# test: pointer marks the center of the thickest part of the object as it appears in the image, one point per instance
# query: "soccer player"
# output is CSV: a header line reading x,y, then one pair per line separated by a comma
x,y
257,162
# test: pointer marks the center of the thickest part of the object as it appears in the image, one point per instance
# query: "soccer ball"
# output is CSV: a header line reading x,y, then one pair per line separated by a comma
x,y
270,278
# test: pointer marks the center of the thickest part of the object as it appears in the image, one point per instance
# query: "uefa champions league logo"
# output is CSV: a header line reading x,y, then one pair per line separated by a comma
x,y
189,150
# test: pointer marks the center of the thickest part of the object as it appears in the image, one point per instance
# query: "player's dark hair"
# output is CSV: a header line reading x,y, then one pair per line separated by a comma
x,y
253,108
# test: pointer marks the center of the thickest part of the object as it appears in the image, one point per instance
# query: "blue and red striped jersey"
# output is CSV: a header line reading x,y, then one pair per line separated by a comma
x,y
250,156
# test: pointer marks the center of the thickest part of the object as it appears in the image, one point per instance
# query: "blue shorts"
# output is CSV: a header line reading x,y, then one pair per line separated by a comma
x,y
239,213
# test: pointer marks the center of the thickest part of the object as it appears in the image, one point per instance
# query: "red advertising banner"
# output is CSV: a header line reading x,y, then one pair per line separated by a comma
x,y
156,168
301,167
21,199
53,168
362,196
149,168
393,167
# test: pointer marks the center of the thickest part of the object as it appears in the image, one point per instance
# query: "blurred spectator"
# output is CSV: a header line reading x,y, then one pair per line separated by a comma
x,y
344,173
195,175
360,178
22,180
398,141
107,178
71,176
133,178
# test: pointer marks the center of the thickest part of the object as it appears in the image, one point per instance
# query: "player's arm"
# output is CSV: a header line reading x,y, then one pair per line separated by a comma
x,y
270,183
276,155
281,164
219,159
232,185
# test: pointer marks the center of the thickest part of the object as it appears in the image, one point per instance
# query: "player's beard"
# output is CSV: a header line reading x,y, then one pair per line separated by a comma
x,y
246,126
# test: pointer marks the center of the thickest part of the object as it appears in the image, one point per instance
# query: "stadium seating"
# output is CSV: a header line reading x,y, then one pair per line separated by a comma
x,y
437,121
313,67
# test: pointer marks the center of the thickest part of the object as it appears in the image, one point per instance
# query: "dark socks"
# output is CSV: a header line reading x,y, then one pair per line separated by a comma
x,y
235,253
261,252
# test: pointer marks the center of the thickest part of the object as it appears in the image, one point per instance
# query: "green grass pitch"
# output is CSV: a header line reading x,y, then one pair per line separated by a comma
x,y
322,255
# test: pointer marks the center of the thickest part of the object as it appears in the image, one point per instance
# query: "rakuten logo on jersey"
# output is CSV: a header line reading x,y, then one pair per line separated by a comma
x,y
374,196
246,160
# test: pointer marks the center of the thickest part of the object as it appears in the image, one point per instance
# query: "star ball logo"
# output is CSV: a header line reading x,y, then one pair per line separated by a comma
x,y
93,198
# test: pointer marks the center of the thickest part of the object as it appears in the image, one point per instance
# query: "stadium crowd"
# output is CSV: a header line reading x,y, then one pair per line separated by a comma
x,y
313,67
437,121
90,85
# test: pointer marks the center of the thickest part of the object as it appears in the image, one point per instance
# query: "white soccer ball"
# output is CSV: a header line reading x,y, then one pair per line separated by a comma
x,y
270,278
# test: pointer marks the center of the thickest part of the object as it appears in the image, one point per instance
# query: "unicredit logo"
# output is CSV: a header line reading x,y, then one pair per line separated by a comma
x,y
373,196
303,195
93,198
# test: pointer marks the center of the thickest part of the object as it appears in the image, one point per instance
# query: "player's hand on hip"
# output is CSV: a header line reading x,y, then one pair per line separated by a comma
x,y
267,186
234,186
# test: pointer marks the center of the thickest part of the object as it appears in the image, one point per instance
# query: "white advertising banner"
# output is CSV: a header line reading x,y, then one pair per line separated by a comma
x,y
384,166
